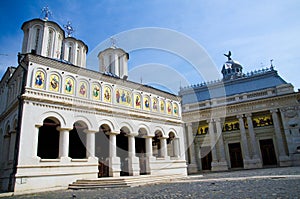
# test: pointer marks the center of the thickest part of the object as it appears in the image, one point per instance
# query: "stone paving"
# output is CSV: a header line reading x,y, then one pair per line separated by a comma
x,y
260,183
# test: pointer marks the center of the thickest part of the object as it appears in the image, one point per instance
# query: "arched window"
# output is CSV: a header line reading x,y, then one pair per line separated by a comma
x,y
50,43
70,54
37,38
77,147
48,140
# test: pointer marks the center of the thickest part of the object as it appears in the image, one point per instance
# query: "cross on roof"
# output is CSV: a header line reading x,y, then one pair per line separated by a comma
x,y
69,29
47,12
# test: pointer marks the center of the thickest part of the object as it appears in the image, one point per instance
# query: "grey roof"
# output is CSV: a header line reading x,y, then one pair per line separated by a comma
x,y
253,81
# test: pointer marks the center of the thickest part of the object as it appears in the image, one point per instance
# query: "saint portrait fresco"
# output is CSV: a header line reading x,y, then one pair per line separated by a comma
x,y
69,86
39,79
146,103
96,92
137,101
82,89
54,83
107,94
154,104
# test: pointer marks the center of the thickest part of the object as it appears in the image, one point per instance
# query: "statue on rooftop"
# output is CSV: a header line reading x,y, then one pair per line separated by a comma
x,y
228,55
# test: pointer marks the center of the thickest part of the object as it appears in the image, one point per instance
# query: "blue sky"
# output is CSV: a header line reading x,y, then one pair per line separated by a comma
x,y
254,31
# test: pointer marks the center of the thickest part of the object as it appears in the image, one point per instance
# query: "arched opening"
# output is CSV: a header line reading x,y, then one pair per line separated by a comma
x,y
122,150
156,144
102,150
77,137
6,146
140,150
171,145
48,140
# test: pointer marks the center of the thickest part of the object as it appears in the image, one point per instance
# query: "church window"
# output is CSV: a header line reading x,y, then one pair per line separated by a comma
x,y
37,36
110,67
70,54
78,57
48,140
50,42
77,147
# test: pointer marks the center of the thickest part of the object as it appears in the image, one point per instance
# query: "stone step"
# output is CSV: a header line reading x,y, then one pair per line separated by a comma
x,y
128,181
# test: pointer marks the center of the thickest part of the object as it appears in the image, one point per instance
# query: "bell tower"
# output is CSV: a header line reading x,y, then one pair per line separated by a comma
x,y
114,60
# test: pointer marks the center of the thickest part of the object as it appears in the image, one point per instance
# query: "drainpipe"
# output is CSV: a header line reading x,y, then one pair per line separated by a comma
x,y
12,178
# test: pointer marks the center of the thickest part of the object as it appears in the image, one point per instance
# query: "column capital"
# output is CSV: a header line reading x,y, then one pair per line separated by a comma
x,y
132,134
240,116
210,120
112,133
248,114
274,110
217,120
189,124
63,129
90,131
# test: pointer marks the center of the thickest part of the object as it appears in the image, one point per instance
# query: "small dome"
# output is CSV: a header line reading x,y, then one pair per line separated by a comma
x,y
232,69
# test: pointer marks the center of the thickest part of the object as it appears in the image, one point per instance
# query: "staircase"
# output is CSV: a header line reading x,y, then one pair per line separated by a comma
x,y
123,182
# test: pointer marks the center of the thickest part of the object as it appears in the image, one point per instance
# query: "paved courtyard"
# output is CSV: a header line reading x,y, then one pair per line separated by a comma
x,y
259,183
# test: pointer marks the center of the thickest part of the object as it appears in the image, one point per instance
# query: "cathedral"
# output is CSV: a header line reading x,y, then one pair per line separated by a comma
x,y
61,122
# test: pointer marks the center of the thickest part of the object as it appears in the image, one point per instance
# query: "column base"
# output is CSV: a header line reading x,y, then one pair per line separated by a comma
x,y
252,163
219,166
65,159
192,168
285,161
133,166
93,160
114,166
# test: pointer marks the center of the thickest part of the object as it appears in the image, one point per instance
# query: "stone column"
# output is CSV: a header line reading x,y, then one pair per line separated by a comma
x,y
255,154
163,147
176,147
244,142
114,161
192,167
90,145
283,158
133,161
198,155
35,141
212,142
222,164
64,144
149,154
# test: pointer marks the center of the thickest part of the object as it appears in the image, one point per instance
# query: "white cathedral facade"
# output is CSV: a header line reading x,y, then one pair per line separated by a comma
x,y
61,122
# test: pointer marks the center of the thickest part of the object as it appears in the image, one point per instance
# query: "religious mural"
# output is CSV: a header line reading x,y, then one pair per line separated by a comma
x,y
54,82
123,97
169,108
175,109
82,90
154,104
162,106
137,101
69,86
146,100
39,79
96,92
107,94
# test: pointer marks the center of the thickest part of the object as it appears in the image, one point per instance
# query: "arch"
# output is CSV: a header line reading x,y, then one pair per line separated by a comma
x,y
7,127
172,130
158,128
85,120
52,115
126,125
107,123
145,127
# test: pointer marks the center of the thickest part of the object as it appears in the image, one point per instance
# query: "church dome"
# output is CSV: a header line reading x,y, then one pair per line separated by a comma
x,y
231,69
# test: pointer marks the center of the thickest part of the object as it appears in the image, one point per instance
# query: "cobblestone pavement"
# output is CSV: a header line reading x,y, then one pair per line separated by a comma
x,y
259,183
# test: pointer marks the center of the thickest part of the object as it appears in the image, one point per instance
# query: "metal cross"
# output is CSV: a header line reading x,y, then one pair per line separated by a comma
x,y
47,13
69,29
